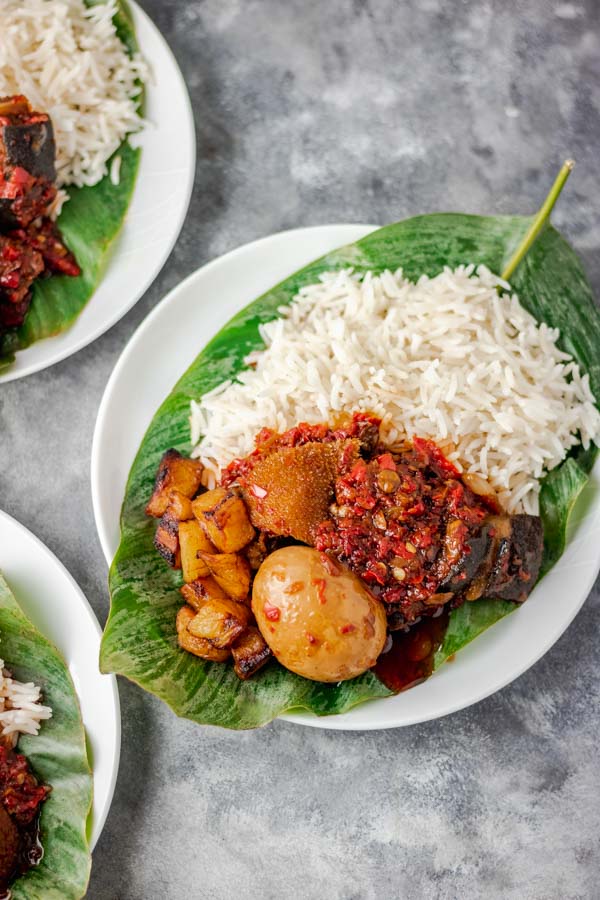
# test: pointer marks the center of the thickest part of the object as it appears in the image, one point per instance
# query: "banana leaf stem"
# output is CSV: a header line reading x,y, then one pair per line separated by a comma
x,y
540,220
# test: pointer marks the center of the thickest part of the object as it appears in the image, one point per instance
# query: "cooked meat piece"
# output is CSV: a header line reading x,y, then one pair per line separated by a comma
x,y
26,138
517,557
288,492
20,265
405,523
408,524
12,315
9,846
456,567
31,243
46,239
27,169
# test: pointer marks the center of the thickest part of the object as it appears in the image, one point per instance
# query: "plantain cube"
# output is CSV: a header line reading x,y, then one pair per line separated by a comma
x,y
198,591
231,571
250,652
220,622
223,515
180,506
193,542
166,540
175,473
198,646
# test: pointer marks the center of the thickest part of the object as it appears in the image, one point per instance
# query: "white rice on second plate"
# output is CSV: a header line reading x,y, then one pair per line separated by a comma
x,y
446,358
69,62
20,709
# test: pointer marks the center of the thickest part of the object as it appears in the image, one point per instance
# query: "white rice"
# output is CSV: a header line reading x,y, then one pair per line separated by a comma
x,y
446,358
69,62
20,709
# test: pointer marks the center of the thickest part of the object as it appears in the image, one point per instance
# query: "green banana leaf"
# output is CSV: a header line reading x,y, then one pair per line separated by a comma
x,y
139,639
90,223
58,757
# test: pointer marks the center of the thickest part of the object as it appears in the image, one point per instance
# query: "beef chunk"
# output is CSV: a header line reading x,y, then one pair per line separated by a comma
x,y
27,171
9,846
517,559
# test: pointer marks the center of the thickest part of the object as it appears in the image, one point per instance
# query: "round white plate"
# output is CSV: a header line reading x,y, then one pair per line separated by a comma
x,y
54,603
160,351
155,216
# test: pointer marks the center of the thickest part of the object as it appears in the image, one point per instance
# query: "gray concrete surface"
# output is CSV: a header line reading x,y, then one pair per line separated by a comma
x,y
311,112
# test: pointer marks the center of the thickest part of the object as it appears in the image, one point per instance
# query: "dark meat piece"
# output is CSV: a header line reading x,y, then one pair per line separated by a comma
x,y
457,567
20,791
288,492
12,315
23,198
46,239
20,265
31,243
27,169
26,138
516,558
408,525
10,843
21,798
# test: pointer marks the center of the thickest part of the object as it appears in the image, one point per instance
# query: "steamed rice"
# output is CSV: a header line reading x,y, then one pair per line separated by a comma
x,y
20,709
446,358
69,62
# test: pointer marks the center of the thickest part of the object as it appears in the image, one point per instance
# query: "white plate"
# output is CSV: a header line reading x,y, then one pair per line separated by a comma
x,y
160,200
161,350
55,604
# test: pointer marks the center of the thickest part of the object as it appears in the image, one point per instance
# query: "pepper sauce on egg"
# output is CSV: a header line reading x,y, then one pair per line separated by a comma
x,y
318,618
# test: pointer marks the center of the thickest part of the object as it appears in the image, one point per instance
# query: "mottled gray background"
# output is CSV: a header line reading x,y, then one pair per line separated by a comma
x,y
310,112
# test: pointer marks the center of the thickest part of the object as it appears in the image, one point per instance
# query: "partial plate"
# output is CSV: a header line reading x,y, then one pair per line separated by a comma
x,y
155,216
52,600
160,351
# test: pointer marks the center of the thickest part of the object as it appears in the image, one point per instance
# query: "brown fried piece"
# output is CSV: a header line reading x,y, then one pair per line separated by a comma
x,y
20,265
175,473
193,541
196,645
166,540
224,517
10,842
197,592
517,557
257,551
231,571
220,621
288,492
250,653
180,506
